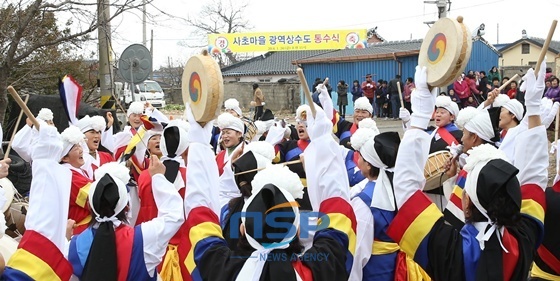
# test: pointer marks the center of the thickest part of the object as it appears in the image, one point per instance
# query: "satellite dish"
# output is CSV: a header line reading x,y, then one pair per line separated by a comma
x,y
135,64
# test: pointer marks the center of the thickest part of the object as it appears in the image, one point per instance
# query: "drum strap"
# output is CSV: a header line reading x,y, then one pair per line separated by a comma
x,y
447,136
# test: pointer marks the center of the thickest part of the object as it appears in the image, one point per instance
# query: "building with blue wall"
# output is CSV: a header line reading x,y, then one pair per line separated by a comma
x,y
384,61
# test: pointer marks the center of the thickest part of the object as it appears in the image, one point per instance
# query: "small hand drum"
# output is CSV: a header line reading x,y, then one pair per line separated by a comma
x,y
434,171
8,247
203,87
9,188
445,51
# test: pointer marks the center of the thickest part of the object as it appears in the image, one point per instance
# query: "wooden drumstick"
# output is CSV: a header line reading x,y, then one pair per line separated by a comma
x,y
508,81
6,155
400,93
306,90
544,49
23,106
259,169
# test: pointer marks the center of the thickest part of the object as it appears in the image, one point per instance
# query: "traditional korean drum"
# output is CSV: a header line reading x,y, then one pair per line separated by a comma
x,y
203,87
9,191
434,171
8,247
445,51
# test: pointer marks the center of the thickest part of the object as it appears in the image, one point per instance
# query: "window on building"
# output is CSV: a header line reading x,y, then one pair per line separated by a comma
x,y
525,48
264,79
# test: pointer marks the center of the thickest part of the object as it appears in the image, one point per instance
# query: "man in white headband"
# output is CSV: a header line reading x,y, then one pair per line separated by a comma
x,y
232,129
174,146
342,128
112,250
271,199
26,136
44,241
72,158
479,127
500,237
92,128
378,152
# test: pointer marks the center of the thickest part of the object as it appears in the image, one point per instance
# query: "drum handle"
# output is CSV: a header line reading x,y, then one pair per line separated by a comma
x,y
259,169
508,81
400,93
7,153
544,49
306,91
23,106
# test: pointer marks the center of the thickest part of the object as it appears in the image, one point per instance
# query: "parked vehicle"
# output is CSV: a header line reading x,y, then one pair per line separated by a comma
x,y
148,90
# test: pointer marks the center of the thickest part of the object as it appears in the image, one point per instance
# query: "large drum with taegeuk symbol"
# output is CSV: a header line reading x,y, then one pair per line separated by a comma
x,y
203,87
445,51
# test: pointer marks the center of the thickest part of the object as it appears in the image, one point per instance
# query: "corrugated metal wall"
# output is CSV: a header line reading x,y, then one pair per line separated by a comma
x,y
482,58
350,71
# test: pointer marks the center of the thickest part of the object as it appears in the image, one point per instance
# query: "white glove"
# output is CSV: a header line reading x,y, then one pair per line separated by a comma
x,y
326,101
196,132
49,143
423,102
534,89
275,134
404,114
550,115
455,149
319,125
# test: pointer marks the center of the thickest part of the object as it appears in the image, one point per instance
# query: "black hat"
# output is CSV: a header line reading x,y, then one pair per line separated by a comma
x,y
387,145
267,115
246,162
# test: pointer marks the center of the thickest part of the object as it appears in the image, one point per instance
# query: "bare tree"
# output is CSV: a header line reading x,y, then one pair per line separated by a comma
x,y
28,28
217,17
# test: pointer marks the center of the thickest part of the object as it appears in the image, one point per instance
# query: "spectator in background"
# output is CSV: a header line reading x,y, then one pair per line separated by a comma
x,y
495,84
408,88
548,74
461,88
513,90
471,102
329,88
258,99
547,84
394,99
454,97
553,92
317,82
356,91
506,89
471,81
494,73
483,85
342,91
368,88
380,99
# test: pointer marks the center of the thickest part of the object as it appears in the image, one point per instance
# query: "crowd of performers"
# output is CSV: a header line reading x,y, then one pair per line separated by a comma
x,y
321,199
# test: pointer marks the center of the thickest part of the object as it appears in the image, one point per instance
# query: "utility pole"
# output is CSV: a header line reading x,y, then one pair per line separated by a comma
x,y
144,42
152,53
105,76
442,9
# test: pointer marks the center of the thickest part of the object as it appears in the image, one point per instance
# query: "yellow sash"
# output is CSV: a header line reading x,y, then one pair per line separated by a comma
x,y
539,273
383,248
84,221
170,270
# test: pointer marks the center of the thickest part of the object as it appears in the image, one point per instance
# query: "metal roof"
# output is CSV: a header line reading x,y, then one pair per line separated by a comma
x,y
270,63
373,51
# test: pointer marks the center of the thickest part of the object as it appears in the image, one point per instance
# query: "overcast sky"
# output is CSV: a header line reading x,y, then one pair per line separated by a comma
x,y
395,19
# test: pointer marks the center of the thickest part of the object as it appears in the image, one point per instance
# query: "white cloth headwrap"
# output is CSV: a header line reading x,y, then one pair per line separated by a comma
x,y
253,267
482,126
481,155
383,196
515,107
121,204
